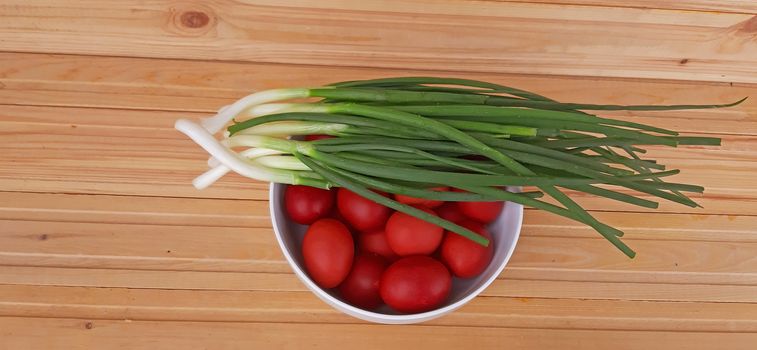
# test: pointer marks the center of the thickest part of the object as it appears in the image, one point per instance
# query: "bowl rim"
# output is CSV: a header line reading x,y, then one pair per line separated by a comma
x,y
381,317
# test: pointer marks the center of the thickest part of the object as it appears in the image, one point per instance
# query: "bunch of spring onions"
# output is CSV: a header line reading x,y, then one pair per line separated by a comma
x,y
409,135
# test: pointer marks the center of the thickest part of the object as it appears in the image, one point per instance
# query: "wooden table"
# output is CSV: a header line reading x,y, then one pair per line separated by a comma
x,y
105,244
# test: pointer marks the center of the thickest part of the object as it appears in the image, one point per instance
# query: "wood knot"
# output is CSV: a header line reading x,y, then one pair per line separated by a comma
x,y
684,61
43,237
88,325
194,19
749,26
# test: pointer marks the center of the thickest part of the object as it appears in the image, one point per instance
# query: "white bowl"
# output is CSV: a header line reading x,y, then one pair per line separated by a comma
x,y
505,231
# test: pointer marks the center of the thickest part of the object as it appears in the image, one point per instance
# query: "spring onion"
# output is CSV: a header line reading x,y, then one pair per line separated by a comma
x,y
407,135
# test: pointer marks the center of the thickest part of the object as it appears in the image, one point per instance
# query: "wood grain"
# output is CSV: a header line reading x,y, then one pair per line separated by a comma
x,y
105,244
737,6
133,209
115,134
303,307
77,157
489,37
184,85
272,282
48,333
672,245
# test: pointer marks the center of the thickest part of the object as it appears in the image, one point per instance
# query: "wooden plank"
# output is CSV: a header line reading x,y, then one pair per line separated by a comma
x,y
254,281
119,161
49,333
168,248
551,39
140,246
737,6
204,212
158,161
658,226
70,80
134,210
719,204
183,85
138,175
125,278
624,291
165,167
140,240
641,226
71,156
669,249
654,258
113,123
303,307
96,246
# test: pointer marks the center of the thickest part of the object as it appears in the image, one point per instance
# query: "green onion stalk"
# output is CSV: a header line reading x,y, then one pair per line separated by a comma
x,y
412,134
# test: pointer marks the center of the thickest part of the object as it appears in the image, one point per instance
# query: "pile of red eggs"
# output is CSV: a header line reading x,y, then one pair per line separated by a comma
x,y
374,255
